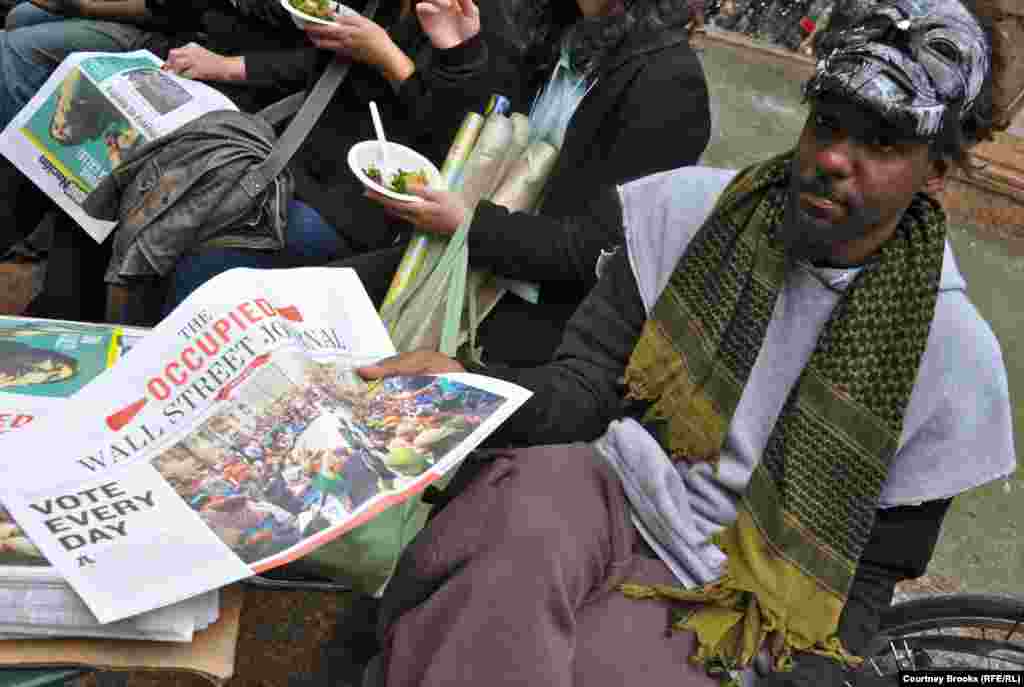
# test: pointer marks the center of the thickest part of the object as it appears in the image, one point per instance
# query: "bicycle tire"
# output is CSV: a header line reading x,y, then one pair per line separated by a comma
x,y
960,631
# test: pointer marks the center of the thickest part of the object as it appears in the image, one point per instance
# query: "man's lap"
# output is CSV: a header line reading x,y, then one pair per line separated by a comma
x,y
533,513
622,641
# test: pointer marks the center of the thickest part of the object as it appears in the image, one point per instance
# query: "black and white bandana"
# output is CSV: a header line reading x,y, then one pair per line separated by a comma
x,y
918,63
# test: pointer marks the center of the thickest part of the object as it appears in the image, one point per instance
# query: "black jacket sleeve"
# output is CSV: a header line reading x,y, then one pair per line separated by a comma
x,y
279,60
901,544
287,70
458,80
645,138
541,249
580,391
278,56
449,72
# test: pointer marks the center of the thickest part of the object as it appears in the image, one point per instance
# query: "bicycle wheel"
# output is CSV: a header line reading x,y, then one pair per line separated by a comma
x,y
958,632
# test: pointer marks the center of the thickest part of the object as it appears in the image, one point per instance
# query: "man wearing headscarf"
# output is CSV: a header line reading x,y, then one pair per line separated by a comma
x,y
787,385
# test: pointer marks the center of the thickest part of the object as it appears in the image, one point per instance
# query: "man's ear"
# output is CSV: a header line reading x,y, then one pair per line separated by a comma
x,y
938,172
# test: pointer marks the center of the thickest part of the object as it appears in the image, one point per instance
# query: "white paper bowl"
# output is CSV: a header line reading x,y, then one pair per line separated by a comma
x,y
301,18
366,153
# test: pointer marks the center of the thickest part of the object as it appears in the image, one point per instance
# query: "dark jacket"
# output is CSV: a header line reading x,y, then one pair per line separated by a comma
x,y
423,113
279,59
648,112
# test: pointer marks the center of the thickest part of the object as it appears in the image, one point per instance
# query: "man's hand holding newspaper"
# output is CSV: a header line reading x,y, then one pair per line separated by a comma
x,y
238,436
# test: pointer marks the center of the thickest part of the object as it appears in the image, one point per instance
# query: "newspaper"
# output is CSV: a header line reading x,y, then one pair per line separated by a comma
x,y
33,604
211,654
90,114
236,437
42,363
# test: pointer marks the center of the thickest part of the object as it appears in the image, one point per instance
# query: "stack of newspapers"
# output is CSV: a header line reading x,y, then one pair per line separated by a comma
x,y
153,468
43,362
36,602
141,471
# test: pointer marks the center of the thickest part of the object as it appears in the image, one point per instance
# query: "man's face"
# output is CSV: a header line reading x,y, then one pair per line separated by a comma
x,y
852,179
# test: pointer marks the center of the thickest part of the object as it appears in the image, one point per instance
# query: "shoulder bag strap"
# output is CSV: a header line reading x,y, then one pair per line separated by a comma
x,y
258,178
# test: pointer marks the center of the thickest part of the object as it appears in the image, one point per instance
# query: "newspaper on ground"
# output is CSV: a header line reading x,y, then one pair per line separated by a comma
x,y
43,363
44,607
211,654
90,114
233,438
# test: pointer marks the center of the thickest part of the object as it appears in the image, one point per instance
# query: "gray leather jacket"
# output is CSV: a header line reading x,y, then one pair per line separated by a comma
x,y
183,191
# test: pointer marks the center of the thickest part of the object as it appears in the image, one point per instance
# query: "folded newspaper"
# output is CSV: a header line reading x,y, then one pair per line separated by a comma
x,y
43,363
233,438
93,110
35,605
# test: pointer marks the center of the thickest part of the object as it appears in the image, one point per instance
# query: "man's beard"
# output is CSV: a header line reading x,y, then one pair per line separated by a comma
x,y
814,239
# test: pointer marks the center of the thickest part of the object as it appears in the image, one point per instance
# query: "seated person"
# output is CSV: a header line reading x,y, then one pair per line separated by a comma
x,y
437,89
35,40
32,45
786,375
39,36
640,58
252,52
425,71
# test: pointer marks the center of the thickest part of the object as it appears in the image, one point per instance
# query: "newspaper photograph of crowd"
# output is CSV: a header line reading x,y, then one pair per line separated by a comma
x,y
302,445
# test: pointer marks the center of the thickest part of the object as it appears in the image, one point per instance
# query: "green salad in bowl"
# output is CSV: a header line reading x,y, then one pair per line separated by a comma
x,y
400,180
392,169
321,9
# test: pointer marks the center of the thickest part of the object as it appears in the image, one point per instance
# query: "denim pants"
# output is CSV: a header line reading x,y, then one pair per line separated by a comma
x,y
36,41
309,242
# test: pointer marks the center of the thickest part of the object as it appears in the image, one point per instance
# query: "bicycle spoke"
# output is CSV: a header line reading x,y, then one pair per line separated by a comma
x,y
910,655
972,632
896,656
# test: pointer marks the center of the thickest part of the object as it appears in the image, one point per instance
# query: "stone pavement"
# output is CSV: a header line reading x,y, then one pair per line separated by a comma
x,y
279,645
17,283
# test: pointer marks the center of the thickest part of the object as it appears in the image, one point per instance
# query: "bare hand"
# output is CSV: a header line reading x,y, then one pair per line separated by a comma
x,y
440,212
193,61
448,22
356,37
411,364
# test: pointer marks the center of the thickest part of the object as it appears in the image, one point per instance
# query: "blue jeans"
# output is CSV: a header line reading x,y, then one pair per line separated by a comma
x,y
36,41
309,242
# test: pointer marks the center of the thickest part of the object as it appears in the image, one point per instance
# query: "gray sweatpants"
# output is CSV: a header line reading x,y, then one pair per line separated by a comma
x,y
513,583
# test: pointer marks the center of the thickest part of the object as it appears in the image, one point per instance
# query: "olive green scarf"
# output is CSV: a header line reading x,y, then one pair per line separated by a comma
x,y
809,507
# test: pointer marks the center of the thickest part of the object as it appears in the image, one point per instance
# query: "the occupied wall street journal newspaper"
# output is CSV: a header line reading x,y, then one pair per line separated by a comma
x,y
90,114
233,438
42,364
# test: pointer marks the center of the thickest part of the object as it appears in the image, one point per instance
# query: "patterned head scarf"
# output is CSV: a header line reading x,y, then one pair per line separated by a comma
x,y
918,63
